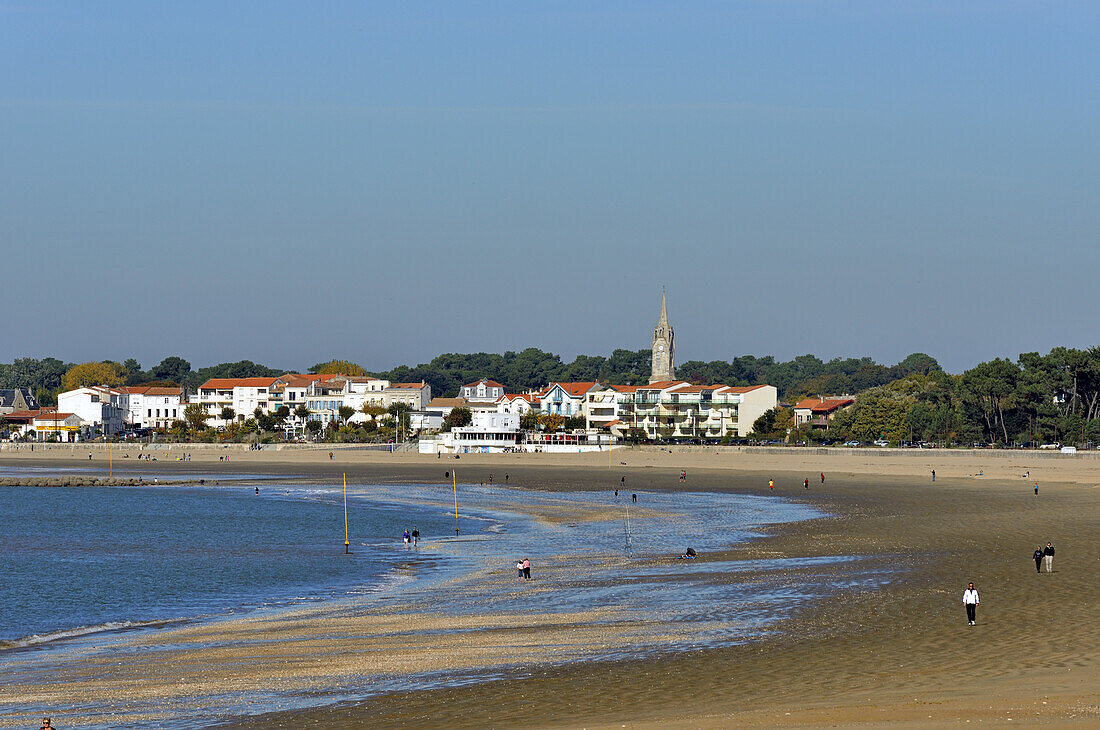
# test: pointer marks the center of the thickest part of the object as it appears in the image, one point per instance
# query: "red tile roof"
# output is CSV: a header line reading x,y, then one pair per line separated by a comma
x,y
407,386
488,383
824,405
230,383
572,388
149,390
52,416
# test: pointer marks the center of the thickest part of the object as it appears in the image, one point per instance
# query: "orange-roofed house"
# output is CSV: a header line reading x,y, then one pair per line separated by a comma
x,y
517,403
416,395
65,426
485,390
566,399
153,406
817,412
243,395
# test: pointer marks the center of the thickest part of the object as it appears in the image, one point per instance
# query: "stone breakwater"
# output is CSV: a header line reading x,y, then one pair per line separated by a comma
x,y
78,481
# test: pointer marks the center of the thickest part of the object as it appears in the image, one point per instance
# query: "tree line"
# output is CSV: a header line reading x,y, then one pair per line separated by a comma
x,y
1052,397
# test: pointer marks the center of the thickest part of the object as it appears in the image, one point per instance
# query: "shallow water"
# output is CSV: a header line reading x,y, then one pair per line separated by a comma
x,y
124,559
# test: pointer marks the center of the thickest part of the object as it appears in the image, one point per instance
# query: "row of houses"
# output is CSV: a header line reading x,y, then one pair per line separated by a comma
x,y
672,409
116,409
666,409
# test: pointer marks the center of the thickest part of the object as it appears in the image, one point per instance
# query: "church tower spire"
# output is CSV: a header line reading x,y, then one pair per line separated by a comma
x,y
664,347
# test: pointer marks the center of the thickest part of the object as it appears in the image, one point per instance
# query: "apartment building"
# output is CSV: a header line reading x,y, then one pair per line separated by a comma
x,y
566,399
97,406
153,407
676,409
243,395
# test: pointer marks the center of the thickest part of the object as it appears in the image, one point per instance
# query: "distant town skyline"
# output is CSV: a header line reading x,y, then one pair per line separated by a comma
x,y
387,182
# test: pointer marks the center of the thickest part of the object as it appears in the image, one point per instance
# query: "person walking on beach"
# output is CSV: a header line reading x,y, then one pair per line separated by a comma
x,y
970,598
405,536
1038,556
771,484
519,569
634,498
823,478
933,476
806,483
1048,557
415,536
683,475
1036,487
622,482
526,569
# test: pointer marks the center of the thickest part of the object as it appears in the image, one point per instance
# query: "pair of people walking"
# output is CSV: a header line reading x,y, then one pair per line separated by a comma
x,y
523,568
1044,555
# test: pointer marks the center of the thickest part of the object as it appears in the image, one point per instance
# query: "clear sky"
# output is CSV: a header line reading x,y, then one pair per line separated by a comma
x,y
383,182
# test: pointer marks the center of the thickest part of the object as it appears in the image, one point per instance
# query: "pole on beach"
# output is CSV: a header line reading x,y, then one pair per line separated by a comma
x,y
454,485
347,544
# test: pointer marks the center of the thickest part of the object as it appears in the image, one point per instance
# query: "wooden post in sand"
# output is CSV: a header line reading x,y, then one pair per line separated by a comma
x,y
347,550
454,485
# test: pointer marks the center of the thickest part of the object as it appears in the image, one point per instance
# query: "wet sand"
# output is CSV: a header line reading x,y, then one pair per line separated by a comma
x,y
902,655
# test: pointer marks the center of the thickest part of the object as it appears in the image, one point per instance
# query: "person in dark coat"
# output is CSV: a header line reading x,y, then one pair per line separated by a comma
x,y
1038,556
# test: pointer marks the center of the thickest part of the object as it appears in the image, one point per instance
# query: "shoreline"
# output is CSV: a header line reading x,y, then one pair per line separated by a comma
x,y
899,654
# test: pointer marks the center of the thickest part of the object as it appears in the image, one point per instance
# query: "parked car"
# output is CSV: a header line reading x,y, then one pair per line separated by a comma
x,y
852,443
1051,446
882,442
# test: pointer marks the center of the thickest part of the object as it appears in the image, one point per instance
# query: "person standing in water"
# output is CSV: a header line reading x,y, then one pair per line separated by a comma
x,y
634,498
405,536
526,569
415,536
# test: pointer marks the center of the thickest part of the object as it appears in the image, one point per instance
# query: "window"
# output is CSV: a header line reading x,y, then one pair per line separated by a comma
x,y
149,413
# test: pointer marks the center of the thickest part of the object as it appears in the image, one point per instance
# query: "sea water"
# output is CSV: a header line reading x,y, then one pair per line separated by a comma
x,y
82,560
89,563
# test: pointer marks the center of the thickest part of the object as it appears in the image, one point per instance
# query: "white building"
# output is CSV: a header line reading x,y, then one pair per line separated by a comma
x,y
98,407
416,395
487,433
483,390
243,395
153,407
66,426
566,399
678,410
517,403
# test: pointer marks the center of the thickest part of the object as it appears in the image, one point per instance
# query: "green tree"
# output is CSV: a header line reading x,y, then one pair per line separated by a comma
x,y
529,421
314,426
228,414
196,416
458,417
345,413
173,368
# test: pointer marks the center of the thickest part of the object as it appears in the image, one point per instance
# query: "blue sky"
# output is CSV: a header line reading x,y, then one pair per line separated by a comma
x,y
288,182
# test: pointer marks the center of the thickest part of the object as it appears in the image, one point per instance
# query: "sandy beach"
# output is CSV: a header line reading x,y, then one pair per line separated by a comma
x,y
902,655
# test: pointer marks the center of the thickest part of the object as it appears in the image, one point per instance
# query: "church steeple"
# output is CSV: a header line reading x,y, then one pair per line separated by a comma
x,y
664,347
